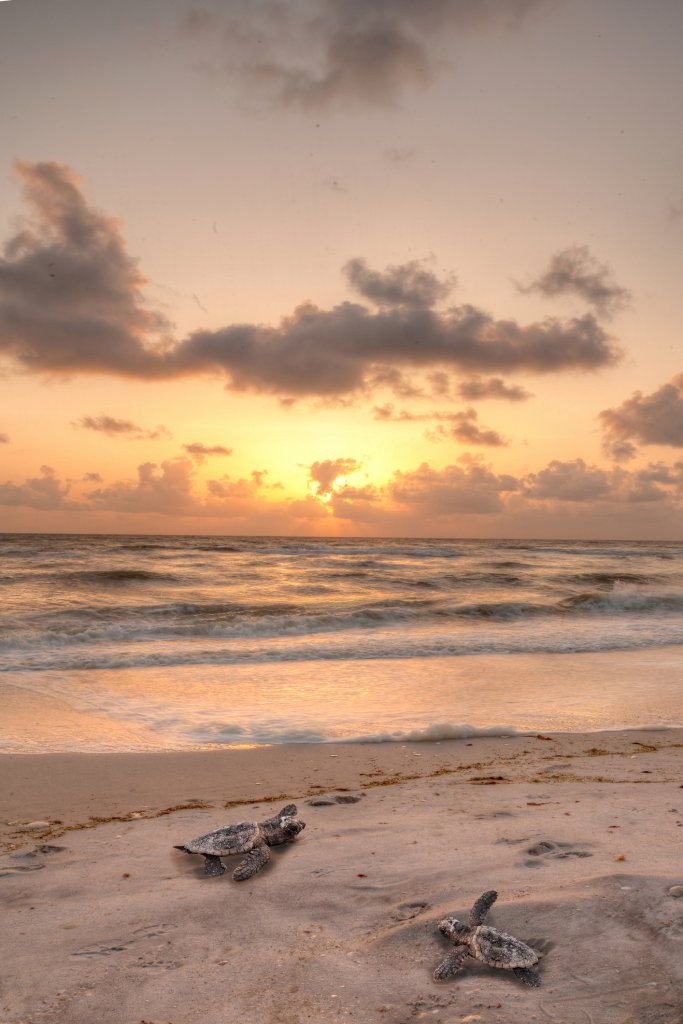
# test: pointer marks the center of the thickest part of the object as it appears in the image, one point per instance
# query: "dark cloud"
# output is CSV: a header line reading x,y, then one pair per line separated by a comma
x,y
408,284
70,299
199,452
93,320
338,351
568,481
659,472
113,427
647,419
656,482
466,429
389,377
316,55
440,384
477,388
324,474
463,425
92,478
619,451
43,492
574,271
4,439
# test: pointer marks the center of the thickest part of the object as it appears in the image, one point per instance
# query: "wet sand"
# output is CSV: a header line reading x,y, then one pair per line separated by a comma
x,y
582,836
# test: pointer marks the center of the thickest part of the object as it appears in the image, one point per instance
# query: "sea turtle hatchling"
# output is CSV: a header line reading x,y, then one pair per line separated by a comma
x,y
250,837
493,948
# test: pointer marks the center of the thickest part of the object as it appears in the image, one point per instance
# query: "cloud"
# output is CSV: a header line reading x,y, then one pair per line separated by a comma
x,y
469,488
659,472
93,320
170,489
655,482
646,419
568,481
313,56
408,284
245,487
199,452
463,424
166,489
325,474
92,478
619,451
309,508
569,498
4,439
44,492
336,352
70,296
477,388
466,429
574,271
113,427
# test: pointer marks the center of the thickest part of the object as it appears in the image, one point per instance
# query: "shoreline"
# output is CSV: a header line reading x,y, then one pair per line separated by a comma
x,y
75,787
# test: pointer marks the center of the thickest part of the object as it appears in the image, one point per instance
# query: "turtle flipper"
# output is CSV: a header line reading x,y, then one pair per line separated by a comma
x,y
527,975
213,866
252,863
451,965
289,811
482,907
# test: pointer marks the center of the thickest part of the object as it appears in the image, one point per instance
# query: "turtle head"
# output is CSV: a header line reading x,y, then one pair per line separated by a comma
x,y
292,826
454,930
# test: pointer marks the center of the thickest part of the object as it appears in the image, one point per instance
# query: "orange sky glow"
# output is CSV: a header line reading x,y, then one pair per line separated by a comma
x,y
341,268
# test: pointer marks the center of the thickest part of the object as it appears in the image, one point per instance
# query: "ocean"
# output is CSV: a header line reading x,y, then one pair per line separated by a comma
x,y
158,642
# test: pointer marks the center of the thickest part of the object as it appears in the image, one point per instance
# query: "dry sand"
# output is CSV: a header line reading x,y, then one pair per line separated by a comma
x,y
120,928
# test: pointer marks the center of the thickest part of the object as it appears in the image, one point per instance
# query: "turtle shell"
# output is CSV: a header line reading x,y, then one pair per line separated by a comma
x,y
239,838
497,949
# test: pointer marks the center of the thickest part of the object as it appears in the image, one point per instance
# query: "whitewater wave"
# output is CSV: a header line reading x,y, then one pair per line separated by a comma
x,y
394,644
233,622
431,733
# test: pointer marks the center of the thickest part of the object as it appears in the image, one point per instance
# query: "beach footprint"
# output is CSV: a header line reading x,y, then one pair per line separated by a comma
x,y
163,965
140,934
18,863
547,850
406,911
331,800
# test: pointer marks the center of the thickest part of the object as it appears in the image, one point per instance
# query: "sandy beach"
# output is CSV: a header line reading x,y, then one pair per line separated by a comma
x,y
581,835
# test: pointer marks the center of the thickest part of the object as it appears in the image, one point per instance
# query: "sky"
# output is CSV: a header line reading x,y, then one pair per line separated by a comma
x,y
342,267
